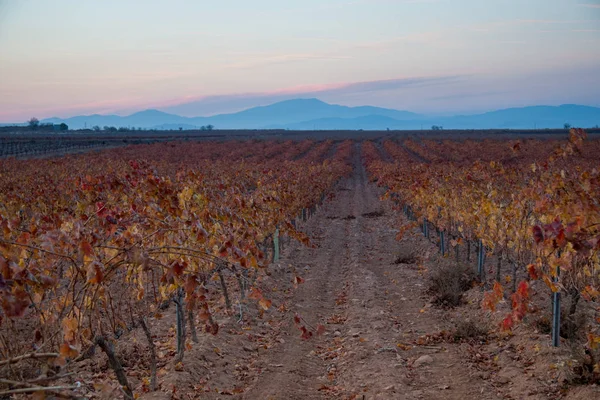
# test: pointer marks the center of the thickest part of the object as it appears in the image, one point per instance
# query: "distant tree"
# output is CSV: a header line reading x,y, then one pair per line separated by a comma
x,y
209,127
96,128
139,128
63,127
123,129
202,128
567,125
435,128
34,123
180,128
110,128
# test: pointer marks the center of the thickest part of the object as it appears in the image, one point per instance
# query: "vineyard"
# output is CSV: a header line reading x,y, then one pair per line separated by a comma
x,y
302,269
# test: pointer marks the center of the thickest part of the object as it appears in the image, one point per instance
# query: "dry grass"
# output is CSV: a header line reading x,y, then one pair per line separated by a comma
x,y
448,282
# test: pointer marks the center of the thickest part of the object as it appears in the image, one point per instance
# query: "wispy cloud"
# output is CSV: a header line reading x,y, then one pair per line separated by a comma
x,y
589,5
390,84
494,25
264,60
427,37
209,105
467,95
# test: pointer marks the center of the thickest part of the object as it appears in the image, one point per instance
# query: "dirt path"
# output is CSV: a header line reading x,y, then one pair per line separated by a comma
x,y
369,306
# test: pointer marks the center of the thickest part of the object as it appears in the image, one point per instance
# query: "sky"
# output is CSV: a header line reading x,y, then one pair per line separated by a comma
x,y
72,57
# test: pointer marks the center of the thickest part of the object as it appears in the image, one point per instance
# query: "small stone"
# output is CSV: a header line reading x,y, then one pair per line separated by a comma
x,y
337,333
281,340
390,388
249,348
503,380
423,360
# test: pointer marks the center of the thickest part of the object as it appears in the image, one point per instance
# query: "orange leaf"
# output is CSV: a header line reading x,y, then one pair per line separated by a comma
x,y
68,351
190,285
94,273
264,303
255,294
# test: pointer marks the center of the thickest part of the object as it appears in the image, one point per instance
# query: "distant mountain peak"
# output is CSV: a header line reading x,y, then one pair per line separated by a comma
x,y
303,100
149,112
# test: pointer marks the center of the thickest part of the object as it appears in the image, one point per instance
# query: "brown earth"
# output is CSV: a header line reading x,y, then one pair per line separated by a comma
x,y
379,308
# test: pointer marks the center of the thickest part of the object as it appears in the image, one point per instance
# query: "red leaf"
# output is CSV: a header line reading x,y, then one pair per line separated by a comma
x,y
538,234
533,272
306,334
86,248
507,323
523,290
213,328
15,304
178,267
320,329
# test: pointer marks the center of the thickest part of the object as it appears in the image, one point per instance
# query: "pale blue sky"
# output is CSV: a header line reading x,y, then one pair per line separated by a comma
x,y
62,58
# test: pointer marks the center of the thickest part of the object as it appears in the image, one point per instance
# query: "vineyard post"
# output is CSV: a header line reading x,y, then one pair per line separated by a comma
x,y
480,259
468,250
556,313
499,267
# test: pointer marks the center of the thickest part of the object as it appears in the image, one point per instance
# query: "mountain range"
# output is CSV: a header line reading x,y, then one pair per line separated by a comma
x,y
313,114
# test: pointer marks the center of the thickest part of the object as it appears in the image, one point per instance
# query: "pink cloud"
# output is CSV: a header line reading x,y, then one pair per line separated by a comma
x,y
263,60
